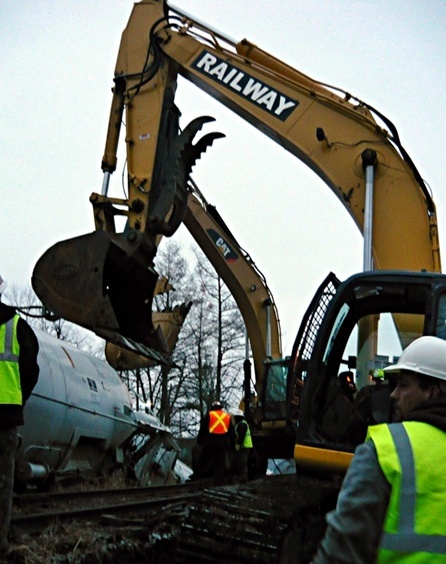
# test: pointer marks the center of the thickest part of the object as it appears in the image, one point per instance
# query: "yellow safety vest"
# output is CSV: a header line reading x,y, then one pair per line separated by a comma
x,y
218,422
412,456
10,387
247,441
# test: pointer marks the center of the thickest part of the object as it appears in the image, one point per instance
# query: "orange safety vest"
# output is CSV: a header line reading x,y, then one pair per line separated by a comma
x,y
219,422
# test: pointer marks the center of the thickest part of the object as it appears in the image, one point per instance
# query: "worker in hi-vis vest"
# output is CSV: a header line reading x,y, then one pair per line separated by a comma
x,y
19,372
392,504
243,445
217,439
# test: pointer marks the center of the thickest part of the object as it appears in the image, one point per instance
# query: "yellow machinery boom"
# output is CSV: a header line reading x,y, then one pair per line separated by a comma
x,y
105,280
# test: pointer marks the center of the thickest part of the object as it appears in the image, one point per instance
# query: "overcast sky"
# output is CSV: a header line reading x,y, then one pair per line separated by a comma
x,y
58,60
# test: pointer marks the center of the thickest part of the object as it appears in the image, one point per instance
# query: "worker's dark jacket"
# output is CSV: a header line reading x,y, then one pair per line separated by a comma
x,y
12,414
205,438
432,411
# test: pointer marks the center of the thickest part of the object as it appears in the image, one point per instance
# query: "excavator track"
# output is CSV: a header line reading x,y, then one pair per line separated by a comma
x,y
220,528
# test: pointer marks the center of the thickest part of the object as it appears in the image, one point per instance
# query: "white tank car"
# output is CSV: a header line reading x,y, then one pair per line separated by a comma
x,y
79,420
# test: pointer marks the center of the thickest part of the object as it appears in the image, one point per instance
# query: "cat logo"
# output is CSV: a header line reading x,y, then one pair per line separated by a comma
x,y
246,86
223,246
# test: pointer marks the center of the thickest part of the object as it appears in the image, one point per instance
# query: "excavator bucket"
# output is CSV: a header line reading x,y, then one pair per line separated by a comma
x,y
93,281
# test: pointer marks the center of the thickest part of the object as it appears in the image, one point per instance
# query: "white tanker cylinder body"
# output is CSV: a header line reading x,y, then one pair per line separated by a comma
x,y
78,417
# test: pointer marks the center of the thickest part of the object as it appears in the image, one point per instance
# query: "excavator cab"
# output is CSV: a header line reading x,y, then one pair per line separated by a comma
x,y
274,403
357,327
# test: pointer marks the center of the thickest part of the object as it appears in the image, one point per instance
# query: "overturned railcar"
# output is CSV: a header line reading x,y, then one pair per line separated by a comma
x,y
79,421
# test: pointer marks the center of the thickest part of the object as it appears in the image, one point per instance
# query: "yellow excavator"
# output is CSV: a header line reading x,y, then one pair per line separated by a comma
x,y
105,280
265,402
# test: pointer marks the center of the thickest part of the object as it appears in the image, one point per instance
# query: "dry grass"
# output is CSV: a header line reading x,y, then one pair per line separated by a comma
x,y
78,545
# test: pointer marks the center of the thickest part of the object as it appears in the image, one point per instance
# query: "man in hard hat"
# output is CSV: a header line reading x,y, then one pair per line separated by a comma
x,y
19,372
392,504
217,438
372,405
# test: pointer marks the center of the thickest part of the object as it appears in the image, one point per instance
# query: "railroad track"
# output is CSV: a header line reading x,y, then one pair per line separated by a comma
x,y
35,512
222,527
26,501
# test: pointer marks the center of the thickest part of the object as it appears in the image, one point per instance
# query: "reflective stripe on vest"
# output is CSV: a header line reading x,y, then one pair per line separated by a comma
x,y
218,422
412,457
10,388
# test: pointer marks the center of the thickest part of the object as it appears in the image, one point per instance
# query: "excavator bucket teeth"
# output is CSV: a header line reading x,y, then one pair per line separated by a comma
x,y
193,127
91,281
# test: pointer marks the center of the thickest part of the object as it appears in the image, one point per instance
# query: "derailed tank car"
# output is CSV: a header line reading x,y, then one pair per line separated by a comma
x,y
79,421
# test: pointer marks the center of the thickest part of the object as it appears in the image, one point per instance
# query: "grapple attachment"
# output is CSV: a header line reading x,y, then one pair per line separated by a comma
x,y
93,281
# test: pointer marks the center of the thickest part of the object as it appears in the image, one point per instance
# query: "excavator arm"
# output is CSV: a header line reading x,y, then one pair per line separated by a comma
x,y
243,279
105,280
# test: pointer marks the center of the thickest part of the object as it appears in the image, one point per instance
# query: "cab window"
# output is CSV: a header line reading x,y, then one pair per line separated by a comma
x,y
355,355
441,319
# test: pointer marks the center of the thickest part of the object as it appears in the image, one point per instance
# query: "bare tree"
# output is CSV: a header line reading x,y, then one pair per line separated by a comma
x,y
212,346
209,352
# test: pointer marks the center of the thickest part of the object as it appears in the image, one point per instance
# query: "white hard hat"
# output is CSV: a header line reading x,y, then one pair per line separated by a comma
x,y
426,356
3,285
238,412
